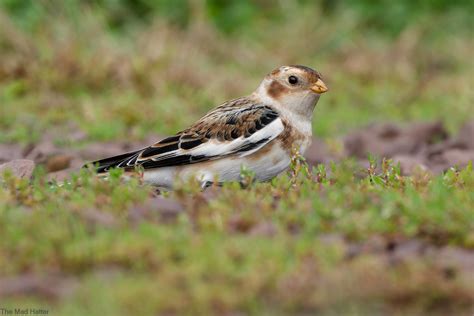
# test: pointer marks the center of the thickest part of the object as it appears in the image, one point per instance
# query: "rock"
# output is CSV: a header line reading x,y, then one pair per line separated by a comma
x,y
21,168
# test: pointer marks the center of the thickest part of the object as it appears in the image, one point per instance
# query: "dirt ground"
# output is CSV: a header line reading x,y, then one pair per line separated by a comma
x,y
423,146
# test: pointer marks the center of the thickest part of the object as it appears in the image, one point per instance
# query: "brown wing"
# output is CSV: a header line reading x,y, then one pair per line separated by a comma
x,y
236,127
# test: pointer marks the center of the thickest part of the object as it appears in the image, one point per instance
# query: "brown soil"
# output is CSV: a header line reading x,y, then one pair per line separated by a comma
x,y
425,146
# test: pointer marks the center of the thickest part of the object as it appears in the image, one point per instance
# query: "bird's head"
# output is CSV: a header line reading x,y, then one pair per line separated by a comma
x,y
294,88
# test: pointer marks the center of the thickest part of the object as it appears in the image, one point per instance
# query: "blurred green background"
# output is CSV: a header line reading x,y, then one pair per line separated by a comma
x,y
120,68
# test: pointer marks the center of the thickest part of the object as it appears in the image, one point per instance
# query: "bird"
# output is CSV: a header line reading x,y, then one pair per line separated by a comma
x,y
259,132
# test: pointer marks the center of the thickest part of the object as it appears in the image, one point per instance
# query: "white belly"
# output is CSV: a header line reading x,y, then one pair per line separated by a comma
x,y
265,167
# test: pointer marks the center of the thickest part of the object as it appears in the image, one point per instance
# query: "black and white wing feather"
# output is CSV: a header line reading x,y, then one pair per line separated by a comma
x,y
237,128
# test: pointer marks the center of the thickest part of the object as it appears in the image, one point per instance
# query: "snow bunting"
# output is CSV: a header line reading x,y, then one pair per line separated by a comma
x,y
259,132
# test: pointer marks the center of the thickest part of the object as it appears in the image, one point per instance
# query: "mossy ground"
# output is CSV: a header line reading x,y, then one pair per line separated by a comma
x,y
332,240
292,245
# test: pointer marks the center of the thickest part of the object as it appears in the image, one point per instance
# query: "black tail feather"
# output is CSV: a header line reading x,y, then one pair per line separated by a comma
x,y
120,161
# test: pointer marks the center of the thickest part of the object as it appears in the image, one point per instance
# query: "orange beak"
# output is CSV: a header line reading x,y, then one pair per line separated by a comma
x,y
319,87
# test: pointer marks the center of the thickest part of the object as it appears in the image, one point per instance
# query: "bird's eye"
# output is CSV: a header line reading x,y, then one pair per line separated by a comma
x,y
292,80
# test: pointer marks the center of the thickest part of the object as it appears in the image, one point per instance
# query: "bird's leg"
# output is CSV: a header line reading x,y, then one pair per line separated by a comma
x,y
206,184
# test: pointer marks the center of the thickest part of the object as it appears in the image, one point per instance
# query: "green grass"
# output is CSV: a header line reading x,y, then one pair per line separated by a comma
x,y
117,70
211,258
131,83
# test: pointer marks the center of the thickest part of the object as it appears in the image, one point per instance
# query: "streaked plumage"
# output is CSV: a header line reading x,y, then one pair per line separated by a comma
x,y
258,131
